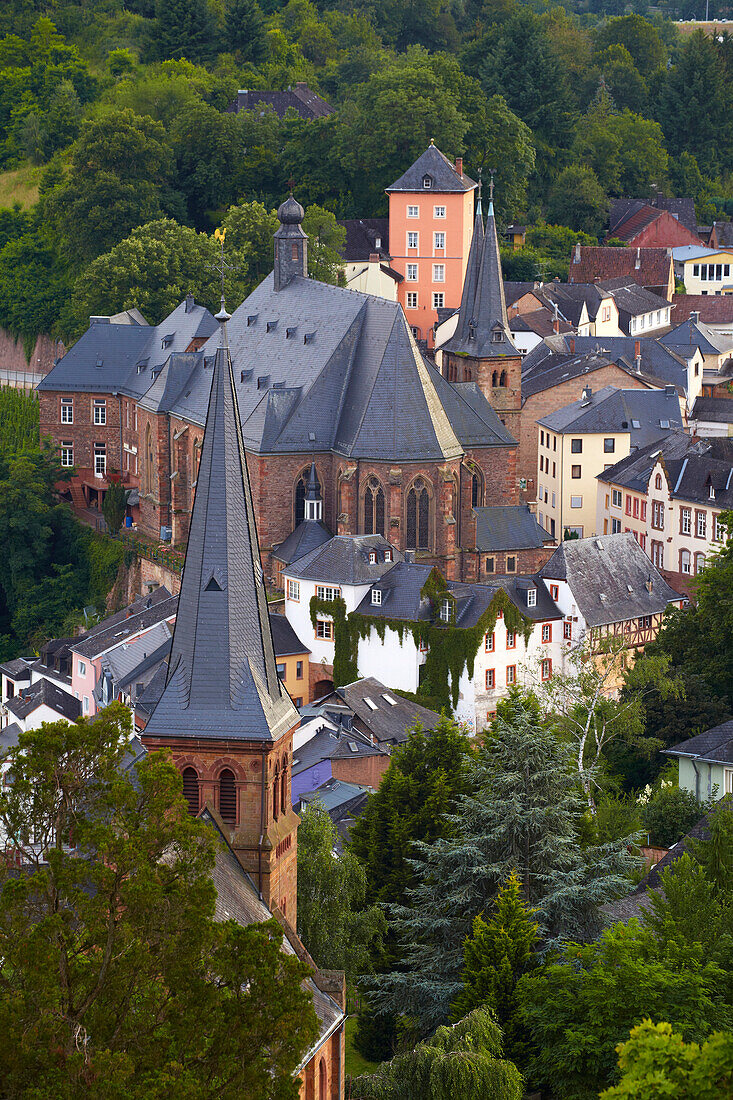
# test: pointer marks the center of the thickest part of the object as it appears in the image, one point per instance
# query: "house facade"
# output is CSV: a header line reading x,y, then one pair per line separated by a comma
x,y
431,209
705,763
704,271
669,495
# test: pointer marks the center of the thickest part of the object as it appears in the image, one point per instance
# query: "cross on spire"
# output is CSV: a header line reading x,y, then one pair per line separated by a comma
x,y
221,265
491,184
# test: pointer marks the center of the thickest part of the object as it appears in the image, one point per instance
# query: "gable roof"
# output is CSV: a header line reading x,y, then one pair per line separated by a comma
x,y
723,233
714,746
435,164
143,614
595,262
390,716
299,98
609,578
553,361
344,559
44,693
307,536
284,639
644,414
123,358
683,209
508,527
697,334
712,308
222,681
362,235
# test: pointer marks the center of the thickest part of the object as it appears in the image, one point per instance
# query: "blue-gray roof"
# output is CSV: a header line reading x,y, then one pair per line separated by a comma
x,y
553,362
699,335
435,164
123,358
644,414
508,527
222,679
307,536
344,559
714,745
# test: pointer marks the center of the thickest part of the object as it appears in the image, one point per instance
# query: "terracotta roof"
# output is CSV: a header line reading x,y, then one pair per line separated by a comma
x,y
609,263
635,222
681,208
713,309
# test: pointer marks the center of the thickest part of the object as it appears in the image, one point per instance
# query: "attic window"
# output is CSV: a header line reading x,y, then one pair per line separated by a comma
x,y
446,610
263,381
376,597
388,698
166,342
213,586
370,703
427,182
531,597
599,544
353,746
664,423
154,374
290,332
377,242
637,424
712,493
251,319
100,362
141,367
496,336
388,555
309,337
271,326
372,557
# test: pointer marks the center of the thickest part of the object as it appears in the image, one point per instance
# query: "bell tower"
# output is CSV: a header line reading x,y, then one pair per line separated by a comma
x,y
291,244
224,715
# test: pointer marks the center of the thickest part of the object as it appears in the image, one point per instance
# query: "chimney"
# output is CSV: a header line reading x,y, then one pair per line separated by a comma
x,y
571,345
556,325
459,166
649,583
637,262
637,350
373,257
576,256
189,302
695,316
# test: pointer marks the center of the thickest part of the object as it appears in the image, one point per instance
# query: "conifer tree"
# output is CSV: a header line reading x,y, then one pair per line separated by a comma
x,y
525,814
185,28
499,951
245,30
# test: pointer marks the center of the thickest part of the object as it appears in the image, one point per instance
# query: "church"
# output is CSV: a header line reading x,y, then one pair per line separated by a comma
x,y
322,375
226,718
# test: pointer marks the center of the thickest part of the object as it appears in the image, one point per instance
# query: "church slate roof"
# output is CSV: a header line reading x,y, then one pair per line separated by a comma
x,y
483,327
435,164
307,536
222,681
508,527
344,559
608,578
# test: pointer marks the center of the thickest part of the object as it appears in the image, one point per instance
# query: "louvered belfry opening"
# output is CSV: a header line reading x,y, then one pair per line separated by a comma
x,y
228,797
191,790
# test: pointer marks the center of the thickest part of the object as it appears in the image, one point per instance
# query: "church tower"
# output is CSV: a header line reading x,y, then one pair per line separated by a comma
x,y
224,715
482,349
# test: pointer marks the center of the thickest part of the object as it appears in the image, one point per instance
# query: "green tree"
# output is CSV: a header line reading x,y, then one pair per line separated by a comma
x,y
245,27
463,1060
669,814
695,106
185,28
34,285
110,955
626,85
250,230
417,794
208,147
114,505
496,955
523,815
638,36
715,852
656,1061
332,922
625,151
578,200
579,1008
121,168
326,240
153,270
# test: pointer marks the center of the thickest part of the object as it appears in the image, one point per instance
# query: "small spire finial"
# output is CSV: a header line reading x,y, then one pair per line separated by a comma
x,y
480,183
432,141
222,267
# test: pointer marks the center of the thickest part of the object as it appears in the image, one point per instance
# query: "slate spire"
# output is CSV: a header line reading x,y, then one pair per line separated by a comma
x,y
483,326
222,680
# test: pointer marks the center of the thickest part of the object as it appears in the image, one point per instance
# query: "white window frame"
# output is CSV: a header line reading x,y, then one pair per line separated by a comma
x,y
438,273
438,299
719,529
576,502
376,597
82,668
327,625
701,524
411,273
686,521
100,463
411,299
546,632
67,410
439,240
532,597
413,211
412,234
67,453
99,416
446,610
328,592
438,211
293,590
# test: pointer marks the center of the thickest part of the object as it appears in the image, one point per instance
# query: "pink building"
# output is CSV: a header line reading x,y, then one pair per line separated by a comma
x,y
431,211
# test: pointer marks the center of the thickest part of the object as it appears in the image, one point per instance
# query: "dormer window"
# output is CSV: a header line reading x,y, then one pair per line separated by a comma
x,y
531,597
446,610
166,342
376,597
377,242
372,557
388,555
712,493
427,182
496,336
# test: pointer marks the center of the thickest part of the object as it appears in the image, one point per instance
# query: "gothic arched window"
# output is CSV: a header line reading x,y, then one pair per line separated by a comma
x,y
284,788
276,795
495,378
148,462
228,796
477,493
191,790
373,508
300,487
502,378
322,1080
418,516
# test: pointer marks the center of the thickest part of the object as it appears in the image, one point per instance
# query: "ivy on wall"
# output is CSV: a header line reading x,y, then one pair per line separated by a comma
x,y
450,648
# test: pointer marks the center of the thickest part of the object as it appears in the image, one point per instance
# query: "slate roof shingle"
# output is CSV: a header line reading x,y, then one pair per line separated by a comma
x,y
609,577
644,414
344,559
714,745
508,527
362,235
300,98
435,164
44,693
387,721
